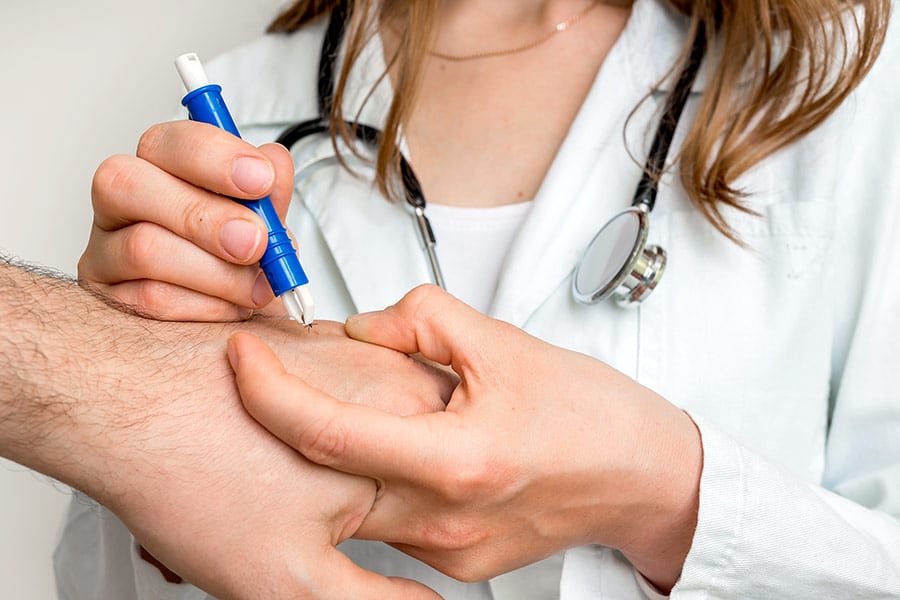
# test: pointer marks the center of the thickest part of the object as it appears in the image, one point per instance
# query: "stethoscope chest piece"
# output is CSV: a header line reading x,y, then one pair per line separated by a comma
x,y
618,263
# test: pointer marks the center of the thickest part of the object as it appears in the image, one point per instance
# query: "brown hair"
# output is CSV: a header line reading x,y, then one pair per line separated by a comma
x,y
829,47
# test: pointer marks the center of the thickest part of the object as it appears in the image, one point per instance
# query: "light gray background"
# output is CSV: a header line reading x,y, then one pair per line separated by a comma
x,y
80,81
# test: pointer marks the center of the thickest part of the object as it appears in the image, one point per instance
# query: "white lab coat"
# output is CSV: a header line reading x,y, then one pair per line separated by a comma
x,y
785,353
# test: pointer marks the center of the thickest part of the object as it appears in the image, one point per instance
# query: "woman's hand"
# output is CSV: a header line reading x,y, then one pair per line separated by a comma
x,y
166,239
360,373
539,449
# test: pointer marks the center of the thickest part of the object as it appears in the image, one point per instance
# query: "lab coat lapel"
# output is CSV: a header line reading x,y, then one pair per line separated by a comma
x,y
373,242
593,176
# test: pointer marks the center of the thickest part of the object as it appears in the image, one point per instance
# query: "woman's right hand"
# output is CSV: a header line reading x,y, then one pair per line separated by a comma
x,y
167,239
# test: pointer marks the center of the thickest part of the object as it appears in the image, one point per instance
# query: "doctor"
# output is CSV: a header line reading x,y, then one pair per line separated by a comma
x,y
735,436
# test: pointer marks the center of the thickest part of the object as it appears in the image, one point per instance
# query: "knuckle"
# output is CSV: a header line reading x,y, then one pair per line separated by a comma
x,y
322,442
469,480
422,294
424,302
139,247
112,175
196,217
454,535
152,297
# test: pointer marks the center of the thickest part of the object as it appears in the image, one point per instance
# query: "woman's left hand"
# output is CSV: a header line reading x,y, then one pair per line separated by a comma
x,y
539,448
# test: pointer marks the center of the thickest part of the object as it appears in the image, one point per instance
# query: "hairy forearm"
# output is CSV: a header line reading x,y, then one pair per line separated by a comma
x,y
144,416
100,398
33,406
91,395
64,360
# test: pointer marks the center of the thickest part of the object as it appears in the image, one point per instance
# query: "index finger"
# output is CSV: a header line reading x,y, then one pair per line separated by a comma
x,y
208,157
129,190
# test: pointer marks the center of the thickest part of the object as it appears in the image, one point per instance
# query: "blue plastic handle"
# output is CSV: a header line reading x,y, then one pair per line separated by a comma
x,y
279,262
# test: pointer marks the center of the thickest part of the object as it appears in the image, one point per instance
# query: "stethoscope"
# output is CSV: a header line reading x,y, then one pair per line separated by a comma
x,y
617,262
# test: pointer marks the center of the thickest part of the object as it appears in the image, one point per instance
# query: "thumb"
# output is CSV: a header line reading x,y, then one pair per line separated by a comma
x,y
347,580
429,321
353,438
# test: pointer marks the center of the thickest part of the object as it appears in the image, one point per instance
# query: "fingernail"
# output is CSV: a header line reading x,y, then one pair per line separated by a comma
x,y
262,292
252,175
240,238
358,319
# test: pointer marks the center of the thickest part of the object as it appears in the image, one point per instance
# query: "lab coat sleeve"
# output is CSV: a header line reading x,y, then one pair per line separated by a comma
x,y
761,531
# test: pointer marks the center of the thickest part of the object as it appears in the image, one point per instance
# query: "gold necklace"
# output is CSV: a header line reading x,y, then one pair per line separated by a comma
x,y
558,28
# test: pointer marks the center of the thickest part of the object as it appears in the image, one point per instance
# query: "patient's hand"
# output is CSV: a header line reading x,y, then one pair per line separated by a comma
x,y
144,416
217,475
326,358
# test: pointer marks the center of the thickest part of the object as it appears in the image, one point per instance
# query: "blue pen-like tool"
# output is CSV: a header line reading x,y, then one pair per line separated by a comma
x,y
280,263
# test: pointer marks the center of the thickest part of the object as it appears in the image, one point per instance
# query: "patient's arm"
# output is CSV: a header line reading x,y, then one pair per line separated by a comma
x,y
144,417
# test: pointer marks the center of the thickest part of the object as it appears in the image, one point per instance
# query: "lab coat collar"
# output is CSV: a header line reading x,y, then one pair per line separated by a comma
x,y
655,37
283,70
375,243
584,186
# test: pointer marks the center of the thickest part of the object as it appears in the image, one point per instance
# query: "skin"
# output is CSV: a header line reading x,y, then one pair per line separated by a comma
x,y
192,257
505,496
523,463
148,422
470,117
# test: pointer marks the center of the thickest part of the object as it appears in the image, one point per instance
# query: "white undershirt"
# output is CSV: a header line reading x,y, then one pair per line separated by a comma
x,y
472,244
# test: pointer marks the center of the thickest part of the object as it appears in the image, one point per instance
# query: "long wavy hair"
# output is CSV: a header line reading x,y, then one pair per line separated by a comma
x,y
829,47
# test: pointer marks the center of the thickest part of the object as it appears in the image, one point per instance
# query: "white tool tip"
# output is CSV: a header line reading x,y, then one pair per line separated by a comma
x,y
300,305
190,69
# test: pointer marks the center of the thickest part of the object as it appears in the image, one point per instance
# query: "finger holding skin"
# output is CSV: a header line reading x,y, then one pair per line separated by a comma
x,y
420,499
146,251
327,359
414,326
551,449
324,429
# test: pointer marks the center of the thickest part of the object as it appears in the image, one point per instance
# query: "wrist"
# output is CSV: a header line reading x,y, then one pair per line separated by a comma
x,y
84,385
661,539
41,343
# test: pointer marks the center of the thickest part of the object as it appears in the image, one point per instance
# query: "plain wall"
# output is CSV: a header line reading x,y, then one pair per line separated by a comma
x,y
80,81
